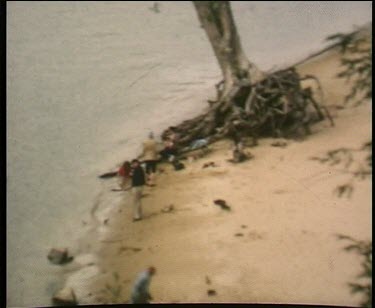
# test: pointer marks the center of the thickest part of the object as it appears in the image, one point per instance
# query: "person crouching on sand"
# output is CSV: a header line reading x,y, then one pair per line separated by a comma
x,y
169,152
150,157
140,293
138,181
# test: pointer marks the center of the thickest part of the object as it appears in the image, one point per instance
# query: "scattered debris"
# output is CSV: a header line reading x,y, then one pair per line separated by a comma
x,y
59,256
223,204
211,292
210,164
106,221
199,144
178,165
243,226
168,209
238,234
281,144
65,297
125,248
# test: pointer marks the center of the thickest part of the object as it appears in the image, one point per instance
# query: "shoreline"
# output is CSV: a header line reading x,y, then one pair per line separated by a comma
x,y
126,241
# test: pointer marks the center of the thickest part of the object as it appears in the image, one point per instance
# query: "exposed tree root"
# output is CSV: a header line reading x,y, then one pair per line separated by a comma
x,y
276,106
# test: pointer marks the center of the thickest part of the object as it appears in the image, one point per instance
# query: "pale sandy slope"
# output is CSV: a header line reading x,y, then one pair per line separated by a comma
x,y
283,205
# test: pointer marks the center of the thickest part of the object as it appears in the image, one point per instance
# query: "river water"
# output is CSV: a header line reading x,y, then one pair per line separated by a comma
x,y
86,82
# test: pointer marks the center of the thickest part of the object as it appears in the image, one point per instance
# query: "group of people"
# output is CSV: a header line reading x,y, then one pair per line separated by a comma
x,y
134,171
133,176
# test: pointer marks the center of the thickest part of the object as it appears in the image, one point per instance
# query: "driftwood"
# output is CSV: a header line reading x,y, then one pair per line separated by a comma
x,y
276,106
108,175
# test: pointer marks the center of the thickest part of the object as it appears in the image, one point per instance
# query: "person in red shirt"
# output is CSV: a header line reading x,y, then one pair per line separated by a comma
x,y
124,175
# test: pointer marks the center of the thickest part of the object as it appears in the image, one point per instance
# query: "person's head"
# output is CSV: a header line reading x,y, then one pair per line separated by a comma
x,y
151,135
135,163
126,165
151,270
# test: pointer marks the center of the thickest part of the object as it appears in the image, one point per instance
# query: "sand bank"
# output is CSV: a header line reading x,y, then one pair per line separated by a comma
x,y
276,245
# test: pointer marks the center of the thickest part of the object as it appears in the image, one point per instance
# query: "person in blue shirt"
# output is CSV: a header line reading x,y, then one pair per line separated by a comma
x,y
198,144
140,293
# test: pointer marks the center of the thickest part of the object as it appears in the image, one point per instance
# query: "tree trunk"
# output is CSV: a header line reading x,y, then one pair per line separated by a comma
x,y
249,103
217,20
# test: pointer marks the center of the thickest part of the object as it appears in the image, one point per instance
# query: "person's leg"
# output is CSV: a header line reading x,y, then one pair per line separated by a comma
x,y
148,171
152,172
164,154
240,146
153,166
148,166
137,202
121,182
125,183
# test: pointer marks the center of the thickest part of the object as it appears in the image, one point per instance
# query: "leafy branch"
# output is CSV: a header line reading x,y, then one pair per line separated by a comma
x,y
356,51
363,248
345,157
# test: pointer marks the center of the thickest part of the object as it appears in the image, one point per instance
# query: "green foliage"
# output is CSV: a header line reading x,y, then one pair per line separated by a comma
x,y
357,62
363,248
345,189
345,158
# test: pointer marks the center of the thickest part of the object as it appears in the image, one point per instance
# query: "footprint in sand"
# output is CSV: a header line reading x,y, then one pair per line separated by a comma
x,y
253,235
280,191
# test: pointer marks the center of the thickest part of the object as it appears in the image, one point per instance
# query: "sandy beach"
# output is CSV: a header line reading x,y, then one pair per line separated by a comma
x,y
278,243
